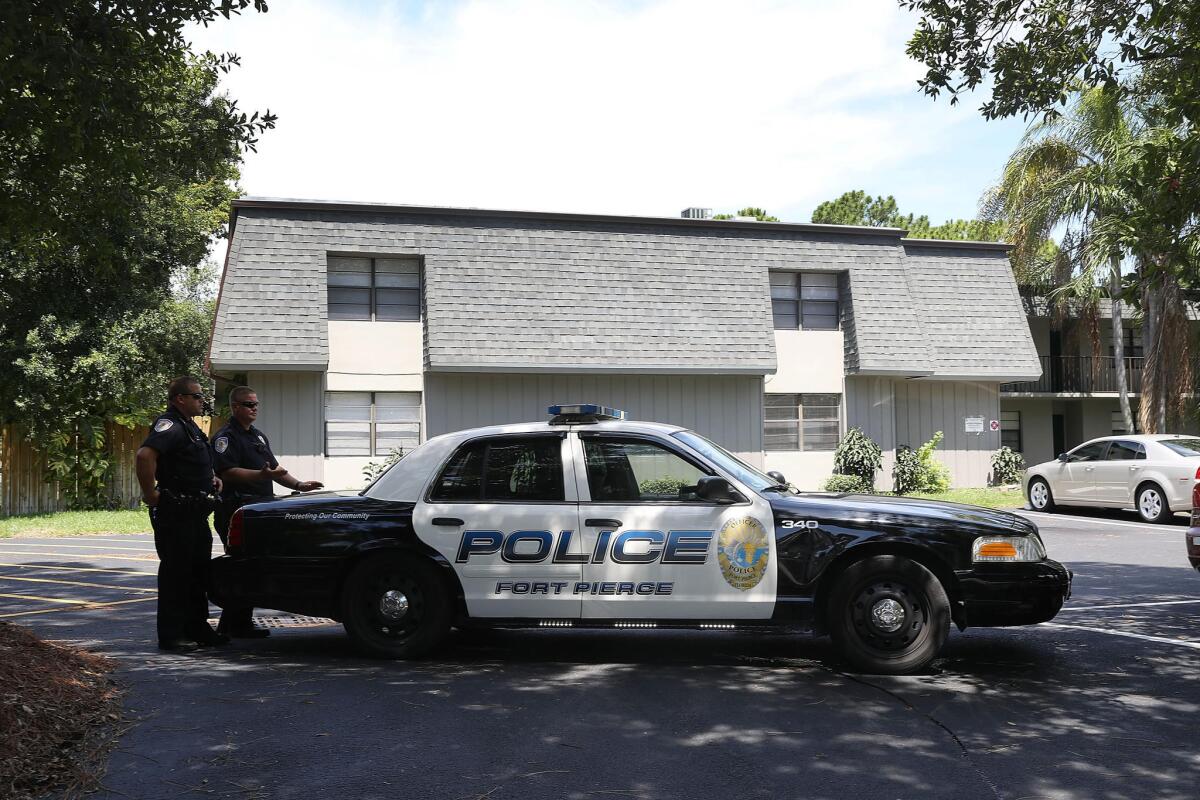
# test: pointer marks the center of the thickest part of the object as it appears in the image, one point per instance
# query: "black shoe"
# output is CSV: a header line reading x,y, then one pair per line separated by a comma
x,y
249,632
212,639
178,645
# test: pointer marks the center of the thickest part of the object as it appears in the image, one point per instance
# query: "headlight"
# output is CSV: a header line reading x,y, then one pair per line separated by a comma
x,y
1007,548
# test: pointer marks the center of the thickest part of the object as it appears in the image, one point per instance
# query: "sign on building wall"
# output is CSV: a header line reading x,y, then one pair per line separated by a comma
x,y
973,424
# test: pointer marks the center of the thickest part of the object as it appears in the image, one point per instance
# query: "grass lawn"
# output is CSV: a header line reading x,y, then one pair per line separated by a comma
x,y
997,497
70,523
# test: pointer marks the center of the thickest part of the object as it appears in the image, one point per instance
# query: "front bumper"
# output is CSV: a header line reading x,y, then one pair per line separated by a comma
x,y
1004,594
1193,546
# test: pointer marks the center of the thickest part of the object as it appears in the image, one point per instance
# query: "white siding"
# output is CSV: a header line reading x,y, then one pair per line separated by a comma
x,y
291,416
727,409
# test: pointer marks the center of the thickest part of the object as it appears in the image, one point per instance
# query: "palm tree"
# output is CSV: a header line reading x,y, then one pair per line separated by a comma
x,y
1064,176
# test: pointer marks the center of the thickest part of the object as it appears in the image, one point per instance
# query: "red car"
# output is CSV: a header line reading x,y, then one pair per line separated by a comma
x,y
1193,533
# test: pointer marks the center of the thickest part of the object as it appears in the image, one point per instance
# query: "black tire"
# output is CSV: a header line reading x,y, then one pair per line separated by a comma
x,y
1151,503
396,606
1048,505
918,605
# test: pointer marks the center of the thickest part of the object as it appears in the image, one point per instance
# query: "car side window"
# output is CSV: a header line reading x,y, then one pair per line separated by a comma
x,y
1091,452
526,469
1126,451
637,471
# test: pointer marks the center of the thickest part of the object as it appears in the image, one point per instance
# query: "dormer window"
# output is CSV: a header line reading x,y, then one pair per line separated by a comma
x,y
805,301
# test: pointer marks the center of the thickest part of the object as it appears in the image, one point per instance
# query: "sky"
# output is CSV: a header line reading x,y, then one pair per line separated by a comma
x,y
633,107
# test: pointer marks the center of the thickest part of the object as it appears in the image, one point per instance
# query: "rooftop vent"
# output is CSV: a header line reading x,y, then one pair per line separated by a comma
x,y
696,213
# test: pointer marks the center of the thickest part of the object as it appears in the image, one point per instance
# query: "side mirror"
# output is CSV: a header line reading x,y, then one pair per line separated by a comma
x,y
1062,457
718,490
777,476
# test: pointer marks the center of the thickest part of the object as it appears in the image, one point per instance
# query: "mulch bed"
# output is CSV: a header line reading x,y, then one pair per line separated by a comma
x,y
59,716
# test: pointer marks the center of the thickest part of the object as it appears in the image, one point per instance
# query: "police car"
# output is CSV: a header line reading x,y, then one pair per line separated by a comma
x,y
590,520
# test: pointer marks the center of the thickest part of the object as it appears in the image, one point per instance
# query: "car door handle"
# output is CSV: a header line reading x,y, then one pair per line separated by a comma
x,y
1089,469
611,524
1134,469
449,522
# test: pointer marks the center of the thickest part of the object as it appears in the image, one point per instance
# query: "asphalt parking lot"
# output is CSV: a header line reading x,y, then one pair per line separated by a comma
x,y
1100,703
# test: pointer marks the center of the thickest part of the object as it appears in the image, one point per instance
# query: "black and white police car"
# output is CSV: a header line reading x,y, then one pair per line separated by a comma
x,y
590,520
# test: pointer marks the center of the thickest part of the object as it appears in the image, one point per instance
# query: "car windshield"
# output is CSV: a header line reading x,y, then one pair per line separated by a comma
x,y
726,460
1184,447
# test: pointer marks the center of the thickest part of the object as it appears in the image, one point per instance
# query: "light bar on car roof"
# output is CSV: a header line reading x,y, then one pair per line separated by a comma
x,y
586,410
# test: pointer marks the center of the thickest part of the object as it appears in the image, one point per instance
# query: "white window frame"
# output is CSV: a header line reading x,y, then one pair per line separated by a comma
x,y
374,422
797,405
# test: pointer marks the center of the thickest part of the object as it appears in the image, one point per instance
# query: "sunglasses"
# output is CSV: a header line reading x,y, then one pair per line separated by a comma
x,y
196,395
248,405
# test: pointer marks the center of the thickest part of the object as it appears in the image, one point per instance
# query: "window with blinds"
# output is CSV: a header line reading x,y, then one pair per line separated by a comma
x,y
805,422
805,300
371,423
1010,430
383,289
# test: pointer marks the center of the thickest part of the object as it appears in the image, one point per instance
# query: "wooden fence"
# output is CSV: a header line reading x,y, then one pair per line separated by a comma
x,y
23,485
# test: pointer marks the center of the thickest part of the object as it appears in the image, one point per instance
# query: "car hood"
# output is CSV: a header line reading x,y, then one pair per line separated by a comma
x,y
903,510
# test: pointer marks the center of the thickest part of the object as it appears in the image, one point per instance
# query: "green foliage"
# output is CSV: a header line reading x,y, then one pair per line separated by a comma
x,y
934,476
906,472
859,208
858,455
663,487
119,162
1007,467
758,213
848,484
374,469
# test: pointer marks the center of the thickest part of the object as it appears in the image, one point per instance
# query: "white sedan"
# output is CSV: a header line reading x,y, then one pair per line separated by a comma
x,y
1154,474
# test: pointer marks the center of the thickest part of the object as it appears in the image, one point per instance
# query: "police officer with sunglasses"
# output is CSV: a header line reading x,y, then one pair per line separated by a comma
x,y
175,471
244,461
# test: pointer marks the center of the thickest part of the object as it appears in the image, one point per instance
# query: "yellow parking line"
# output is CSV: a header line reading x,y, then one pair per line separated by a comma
x,y
6,545
79,607
75,583
81,555
80,569
75,601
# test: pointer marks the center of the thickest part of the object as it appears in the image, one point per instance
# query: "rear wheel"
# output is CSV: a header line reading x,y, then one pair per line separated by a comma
x,y
1152,503
395,606
1040,496
888,615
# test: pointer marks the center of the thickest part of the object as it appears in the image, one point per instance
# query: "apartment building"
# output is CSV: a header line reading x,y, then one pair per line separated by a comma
x,y
366,327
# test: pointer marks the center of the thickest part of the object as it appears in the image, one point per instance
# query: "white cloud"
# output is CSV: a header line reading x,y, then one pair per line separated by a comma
x,y
588,106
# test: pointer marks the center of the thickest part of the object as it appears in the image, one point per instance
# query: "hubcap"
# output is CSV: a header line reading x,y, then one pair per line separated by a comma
x,y
1151,504
1038,495
393,605
888,615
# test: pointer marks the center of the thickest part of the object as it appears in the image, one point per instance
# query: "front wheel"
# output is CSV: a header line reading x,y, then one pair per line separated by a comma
x,y
395,606
1040,497
1152,504
888,615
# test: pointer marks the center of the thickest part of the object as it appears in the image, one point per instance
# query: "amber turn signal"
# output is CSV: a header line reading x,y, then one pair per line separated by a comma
x,y
998,550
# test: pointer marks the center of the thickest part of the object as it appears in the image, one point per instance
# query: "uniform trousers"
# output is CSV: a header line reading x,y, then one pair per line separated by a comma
x,y
183,541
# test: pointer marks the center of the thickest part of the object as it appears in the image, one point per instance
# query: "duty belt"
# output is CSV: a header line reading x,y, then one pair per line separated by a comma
x,y
198,502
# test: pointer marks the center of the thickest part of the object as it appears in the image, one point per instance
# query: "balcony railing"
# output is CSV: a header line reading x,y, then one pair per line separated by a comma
x,y
1080,375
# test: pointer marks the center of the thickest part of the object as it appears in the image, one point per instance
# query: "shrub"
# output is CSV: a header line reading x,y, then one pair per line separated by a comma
x,y
847,484
376,468
664,487
906,473
1007,466
934,475
858,455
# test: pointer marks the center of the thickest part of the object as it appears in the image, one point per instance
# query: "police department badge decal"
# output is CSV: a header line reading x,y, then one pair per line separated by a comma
x,y
221,444
743,552
163,425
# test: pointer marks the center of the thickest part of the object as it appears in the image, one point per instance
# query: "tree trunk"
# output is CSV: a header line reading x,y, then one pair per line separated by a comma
x,y
1118,333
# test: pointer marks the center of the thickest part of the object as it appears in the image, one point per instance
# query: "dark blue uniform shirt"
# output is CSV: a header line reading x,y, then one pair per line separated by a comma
x,y
234,446
184,461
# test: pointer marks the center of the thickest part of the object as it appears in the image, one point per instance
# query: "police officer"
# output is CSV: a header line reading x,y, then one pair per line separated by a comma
x,y
174,469
244,461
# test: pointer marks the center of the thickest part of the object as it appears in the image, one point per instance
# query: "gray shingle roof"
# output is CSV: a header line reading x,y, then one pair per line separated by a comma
x,y
523,291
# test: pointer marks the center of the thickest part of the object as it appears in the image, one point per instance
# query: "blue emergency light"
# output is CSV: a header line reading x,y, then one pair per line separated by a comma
x,y
581,411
